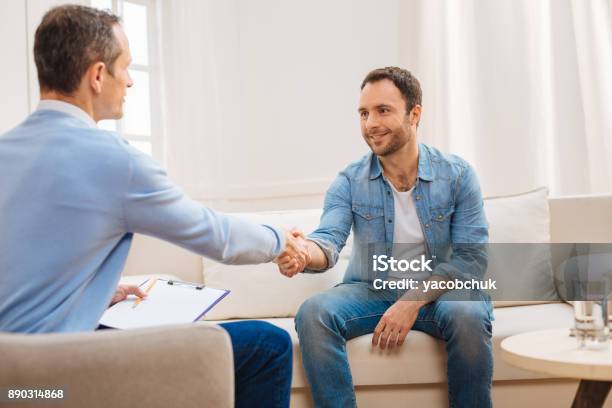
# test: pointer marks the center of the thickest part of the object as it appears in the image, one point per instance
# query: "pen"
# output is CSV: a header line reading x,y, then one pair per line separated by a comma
x,y
147,290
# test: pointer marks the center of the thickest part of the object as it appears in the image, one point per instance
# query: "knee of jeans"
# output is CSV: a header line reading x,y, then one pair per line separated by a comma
x,y
468,332
274,337
468,317
313,313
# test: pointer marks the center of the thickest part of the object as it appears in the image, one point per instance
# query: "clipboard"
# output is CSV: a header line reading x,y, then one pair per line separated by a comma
x,y
168,302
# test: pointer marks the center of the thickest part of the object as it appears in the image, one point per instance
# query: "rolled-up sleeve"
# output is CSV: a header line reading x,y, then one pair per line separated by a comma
x,y
154,206
336,221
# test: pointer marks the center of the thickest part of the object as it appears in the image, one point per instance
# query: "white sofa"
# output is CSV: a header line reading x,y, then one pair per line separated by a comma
x,y
415,375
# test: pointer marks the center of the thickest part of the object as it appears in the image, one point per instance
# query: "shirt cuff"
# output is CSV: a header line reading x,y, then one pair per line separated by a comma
x,y
329,251
279,237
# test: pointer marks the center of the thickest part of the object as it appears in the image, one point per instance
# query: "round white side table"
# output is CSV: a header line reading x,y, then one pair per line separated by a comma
x,y
555,352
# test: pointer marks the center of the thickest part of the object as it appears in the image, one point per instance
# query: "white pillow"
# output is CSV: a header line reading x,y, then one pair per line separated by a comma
x,y
258,291
519,218
523,272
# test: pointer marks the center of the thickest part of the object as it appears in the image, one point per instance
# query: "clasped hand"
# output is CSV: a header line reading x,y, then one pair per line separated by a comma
x,y
296,256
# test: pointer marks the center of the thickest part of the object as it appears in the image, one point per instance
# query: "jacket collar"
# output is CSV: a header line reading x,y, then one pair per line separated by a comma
x,y
424,171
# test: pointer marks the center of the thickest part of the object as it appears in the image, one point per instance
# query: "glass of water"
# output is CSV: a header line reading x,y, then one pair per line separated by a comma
x,y
591,324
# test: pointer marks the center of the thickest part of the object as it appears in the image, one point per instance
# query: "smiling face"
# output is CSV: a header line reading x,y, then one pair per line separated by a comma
x,y
385,125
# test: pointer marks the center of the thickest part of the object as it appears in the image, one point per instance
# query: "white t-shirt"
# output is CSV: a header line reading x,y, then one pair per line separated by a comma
x,y
408,239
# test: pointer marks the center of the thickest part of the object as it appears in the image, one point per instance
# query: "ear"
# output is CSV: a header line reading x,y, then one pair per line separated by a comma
x,y
95,76
415,115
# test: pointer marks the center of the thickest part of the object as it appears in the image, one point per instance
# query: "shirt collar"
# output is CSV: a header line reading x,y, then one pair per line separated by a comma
x,y
67,108
424,171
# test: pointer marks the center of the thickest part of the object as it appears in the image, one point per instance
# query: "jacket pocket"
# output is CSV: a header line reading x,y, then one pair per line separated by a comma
x,y
441,214
367,212
368,224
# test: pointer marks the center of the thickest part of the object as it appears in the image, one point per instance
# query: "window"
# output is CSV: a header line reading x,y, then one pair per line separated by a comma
x,y
140,124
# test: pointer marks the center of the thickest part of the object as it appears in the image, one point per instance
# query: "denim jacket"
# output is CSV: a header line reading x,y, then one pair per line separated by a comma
x,y
449,207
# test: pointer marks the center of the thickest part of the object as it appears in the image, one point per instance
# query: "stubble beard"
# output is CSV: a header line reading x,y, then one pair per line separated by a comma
x,y
396,143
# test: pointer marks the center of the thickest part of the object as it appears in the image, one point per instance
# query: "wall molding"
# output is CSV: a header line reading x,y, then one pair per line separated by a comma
x,y
270,190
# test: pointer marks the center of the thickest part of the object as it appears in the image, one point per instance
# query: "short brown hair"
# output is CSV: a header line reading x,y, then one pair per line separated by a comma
x,y
68,40
408,85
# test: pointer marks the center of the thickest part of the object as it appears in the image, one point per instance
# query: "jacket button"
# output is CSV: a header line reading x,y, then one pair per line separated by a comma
x,y
426,225
439,217
418,197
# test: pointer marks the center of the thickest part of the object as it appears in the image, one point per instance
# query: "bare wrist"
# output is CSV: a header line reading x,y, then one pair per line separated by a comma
x,y
415,298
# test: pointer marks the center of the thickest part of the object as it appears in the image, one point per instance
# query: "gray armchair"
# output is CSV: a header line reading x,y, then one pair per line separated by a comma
x,y
183,365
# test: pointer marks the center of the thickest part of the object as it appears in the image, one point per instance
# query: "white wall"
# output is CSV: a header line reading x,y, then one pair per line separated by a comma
x,y
18,82
268,108
14,78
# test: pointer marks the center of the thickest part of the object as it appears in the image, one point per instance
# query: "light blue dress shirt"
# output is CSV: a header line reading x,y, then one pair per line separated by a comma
x,y
71,196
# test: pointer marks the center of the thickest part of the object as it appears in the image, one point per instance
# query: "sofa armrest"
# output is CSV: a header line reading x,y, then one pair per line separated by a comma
x,y
181,365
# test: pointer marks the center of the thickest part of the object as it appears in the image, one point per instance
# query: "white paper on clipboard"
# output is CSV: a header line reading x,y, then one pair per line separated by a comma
x,y
168,302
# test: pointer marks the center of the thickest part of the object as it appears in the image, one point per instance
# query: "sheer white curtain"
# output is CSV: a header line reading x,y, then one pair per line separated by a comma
x,y
261,95
520,88
191,93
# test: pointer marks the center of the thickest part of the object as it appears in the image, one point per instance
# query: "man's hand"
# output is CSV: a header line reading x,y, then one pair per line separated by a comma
x,y
397,321
395,324
123,291
296,255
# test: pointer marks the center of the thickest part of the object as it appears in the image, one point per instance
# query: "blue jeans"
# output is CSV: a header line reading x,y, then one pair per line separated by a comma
x,y
263,361
326,321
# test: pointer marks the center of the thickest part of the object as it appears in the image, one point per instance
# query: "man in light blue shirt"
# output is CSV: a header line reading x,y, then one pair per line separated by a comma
x,y
72,196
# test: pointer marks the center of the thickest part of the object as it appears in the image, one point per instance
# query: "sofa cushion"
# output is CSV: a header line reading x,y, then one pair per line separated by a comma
x,y
519,218
422,358
519,254
261,291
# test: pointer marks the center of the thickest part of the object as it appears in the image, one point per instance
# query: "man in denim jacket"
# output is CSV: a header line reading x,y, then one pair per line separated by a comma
x,y
411,200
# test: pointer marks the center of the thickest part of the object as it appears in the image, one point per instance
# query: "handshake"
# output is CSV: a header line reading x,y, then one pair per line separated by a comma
x,y
296,256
